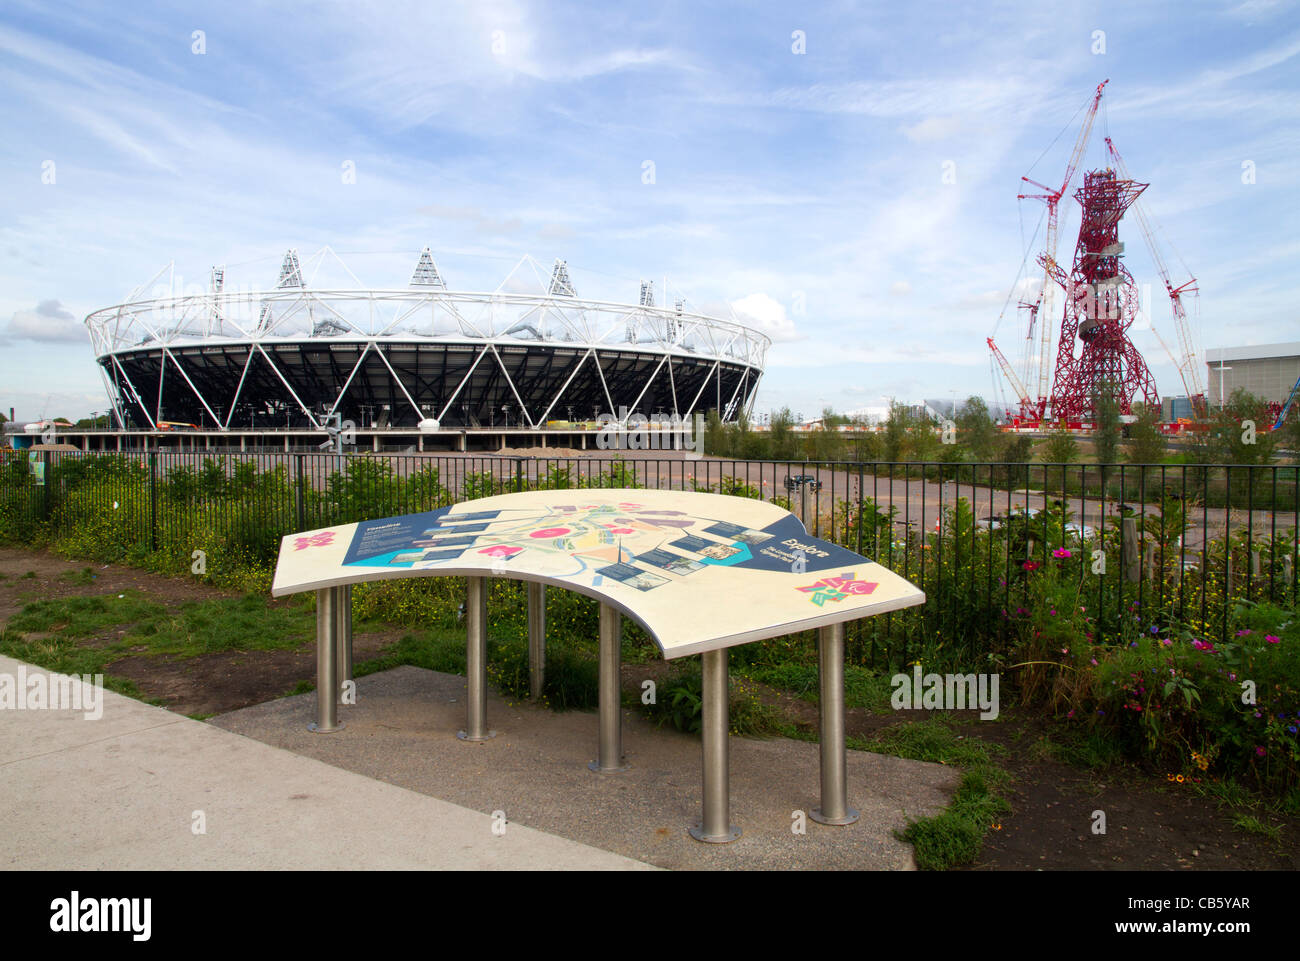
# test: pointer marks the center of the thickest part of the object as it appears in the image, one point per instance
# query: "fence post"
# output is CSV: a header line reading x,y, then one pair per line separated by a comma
x,y
153,500
1132,568
299,506
46,463
519,474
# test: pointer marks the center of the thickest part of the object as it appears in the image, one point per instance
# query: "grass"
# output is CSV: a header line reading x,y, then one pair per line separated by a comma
x,y
83,617
434,649
63,655
82,577
246,623
862,687
955,835
1085,748
1253,825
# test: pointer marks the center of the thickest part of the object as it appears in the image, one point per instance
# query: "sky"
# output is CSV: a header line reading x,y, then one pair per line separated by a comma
x,y
843,175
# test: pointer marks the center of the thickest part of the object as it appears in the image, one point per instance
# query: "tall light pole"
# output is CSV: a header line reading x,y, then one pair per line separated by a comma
x,y
1222,399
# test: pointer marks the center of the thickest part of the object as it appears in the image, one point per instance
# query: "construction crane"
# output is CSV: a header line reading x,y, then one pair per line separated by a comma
x,y
1281,417
1052,197
1022,395
1188,365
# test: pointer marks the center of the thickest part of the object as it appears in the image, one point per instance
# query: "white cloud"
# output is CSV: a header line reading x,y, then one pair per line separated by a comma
x,y
48,321
763,313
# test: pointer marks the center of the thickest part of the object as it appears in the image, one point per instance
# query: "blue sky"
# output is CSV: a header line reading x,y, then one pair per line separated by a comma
x,y
806,190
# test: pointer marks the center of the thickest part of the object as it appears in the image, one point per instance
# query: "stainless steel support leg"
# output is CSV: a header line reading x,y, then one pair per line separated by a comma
x,y
327,657
830,668
611,708
716,824
343,613
476,728
536,639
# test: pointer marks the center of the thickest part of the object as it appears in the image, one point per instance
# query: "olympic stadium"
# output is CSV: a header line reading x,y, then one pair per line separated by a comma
x,y
298,355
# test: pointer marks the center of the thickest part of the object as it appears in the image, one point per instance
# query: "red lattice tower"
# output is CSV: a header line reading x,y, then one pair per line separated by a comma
x,y
1101,302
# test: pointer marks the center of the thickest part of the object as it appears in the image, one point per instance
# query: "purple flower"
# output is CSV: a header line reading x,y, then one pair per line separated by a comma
x,y
1259,751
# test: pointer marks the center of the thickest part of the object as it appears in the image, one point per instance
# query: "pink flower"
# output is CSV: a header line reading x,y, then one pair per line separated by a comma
x,y
1272,638
1030,565
1259,751
1061,552
1203,645
1167,642
1243,633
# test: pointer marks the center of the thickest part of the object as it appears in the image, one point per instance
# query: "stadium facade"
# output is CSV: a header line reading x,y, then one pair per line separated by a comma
x,y
298,356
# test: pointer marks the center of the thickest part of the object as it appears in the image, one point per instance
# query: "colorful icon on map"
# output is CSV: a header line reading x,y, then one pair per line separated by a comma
x,y
837,588
550,532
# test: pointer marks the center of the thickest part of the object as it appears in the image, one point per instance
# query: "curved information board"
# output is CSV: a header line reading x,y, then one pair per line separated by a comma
x,y
698,571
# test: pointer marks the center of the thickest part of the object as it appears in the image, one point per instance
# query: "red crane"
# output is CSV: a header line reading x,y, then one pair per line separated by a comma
x,y
1052,197
1188,363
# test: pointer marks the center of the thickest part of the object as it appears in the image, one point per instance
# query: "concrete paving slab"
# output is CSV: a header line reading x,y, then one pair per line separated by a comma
x,y
402,730
126,792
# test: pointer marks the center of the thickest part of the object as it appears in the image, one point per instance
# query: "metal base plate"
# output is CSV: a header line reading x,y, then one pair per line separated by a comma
x,y
486,737
697,831
317,729
852,815
595,766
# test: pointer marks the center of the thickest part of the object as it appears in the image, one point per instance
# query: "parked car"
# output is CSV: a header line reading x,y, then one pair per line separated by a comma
x,y
793,482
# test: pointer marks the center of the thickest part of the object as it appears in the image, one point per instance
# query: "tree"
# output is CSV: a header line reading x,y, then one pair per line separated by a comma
x,y
976,430
1145,444
893,440
1106,434
1061,447
717,439
1289,435
785,444
826,441
1240,432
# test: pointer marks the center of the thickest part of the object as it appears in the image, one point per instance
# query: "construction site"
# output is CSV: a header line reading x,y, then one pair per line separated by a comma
x,y
1079,358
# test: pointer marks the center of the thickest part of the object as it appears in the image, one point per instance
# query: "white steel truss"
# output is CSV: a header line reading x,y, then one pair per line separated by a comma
x,y
293,314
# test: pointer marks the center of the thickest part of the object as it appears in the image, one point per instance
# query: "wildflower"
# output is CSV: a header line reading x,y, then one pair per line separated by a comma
x,y
1094,662
1071,712
1061,552
1202,645
1291,728
1100,711
1052,612
1258,714
1167,642
1243,633
1272,638
1030,565
1259,751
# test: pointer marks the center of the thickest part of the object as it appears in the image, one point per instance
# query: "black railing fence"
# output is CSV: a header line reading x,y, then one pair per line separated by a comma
x,y
1182,544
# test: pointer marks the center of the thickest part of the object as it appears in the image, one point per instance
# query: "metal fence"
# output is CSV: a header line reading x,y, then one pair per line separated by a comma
x,y
1181,544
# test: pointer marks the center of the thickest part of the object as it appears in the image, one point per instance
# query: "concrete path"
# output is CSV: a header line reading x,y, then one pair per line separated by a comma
x,y
402,730
131,790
